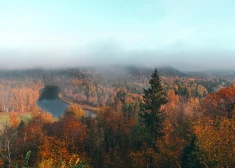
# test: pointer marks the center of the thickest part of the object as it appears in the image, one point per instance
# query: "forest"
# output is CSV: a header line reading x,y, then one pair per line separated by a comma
x,y
145,118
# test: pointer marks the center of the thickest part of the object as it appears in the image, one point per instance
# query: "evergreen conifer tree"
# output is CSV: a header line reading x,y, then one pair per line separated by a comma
x,y
151,114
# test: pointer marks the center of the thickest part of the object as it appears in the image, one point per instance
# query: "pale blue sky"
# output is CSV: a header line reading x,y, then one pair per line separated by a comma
x,y
166,30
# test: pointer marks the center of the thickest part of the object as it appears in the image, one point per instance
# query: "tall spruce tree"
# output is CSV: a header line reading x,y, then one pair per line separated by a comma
x,y
151,114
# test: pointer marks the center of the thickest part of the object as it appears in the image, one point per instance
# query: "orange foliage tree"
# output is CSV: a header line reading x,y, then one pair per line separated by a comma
x,y
221,103
14,119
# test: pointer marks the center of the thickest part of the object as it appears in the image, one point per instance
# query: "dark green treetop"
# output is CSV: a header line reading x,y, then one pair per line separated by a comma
x,y
151,114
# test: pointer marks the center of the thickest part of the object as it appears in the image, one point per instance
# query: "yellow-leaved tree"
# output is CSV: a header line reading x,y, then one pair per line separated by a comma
x,y
216,142
75,109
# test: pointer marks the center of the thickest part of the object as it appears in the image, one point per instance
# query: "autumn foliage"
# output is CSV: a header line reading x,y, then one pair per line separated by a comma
x,y
16,98
197,125
75,110
14,119
221,103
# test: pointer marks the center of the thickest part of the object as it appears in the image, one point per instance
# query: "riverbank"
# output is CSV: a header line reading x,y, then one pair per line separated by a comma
x,y
85,107
50,92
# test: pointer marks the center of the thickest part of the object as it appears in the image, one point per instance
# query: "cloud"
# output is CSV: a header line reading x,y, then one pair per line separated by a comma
x,y
110,52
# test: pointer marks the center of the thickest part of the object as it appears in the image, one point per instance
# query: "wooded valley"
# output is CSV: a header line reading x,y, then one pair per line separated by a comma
x,y
144,118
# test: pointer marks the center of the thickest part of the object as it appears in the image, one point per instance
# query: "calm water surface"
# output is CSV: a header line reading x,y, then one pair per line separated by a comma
x,y
54,106
50,102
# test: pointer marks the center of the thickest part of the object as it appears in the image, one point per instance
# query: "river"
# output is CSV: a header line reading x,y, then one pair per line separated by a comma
x,y
50,102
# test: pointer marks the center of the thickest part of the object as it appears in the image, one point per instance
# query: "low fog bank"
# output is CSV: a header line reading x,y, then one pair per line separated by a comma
x,y
104,57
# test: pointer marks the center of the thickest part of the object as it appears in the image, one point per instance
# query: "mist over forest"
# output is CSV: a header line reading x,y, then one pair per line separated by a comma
x,y
106,56
117,84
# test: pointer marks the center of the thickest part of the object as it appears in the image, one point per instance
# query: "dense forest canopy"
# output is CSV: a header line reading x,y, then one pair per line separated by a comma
x,y
144,118
100,86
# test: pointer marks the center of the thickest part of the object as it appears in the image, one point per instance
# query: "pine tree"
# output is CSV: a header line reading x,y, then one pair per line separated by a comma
x,y
189,157
151,114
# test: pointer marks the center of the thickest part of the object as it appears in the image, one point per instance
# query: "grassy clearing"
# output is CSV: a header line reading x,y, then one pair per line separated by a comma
x,y
5,118
25,116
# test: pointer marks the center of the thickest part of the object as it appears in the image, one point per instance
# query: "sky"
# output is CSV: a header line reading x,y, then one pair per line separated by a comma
x,y
185,34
